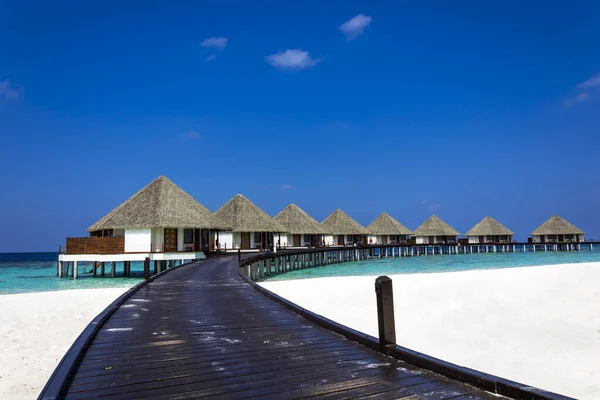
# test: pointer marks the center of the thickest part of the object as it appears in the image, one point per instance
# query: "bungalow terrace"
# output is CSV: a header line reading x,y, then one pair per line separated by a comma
x,y
386,230
161,222
340,229
435,231
303,230
488,230
251,227
557,229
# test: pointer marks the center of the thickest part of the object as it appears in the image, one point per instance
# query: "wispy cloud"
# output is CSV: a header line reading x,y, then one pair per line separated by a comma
x,y
584,91
210,58
9,90
578,98
355,27
286,187
430,206
593,82
292,60
191,135
217,43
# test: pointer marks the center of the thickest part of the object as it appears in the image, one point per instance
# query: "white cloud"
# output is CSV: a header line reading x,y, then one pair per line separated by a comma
x,y
355,27
191,135
579,98
210,58
286,187
585,91
292,59
593,82
217,43
9,90
435,207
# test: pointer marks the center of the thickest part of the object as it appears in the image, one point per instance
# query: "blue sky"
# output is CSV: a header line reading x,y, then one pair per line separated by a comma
x,y
463,109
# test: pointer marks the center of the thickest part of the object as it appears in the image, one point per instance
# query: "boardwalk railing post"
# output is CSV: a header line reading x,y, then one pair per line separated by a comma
x,y
385,313
147,268
239,256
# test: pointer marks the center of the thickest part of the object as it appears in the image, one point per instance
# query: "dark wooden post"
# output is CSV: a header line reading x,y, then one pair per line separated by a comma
x,y
147,268
239,256
385,313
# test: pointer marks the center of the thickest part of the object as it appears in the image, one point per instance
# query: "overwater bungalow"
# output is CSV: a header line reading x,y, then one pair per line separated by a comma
x,y
161,222
251,227
386,230
303,230
557,229
341,230
488,230
435,231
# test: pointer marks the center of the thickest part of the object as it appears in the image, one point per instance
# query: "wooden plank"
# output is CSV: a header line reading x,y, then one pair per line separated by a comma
x,y
200,331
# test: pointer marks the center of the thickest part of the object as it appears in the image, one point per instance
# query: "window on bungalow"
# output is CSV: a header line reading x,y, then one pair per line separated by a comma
x,y
551,238
188,236
569,237
257,237
349,238
306,238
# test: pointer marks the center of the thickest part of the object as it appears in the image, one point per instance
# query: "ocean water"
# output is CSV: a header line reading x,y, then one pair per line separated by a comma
x,y
36,272
441,263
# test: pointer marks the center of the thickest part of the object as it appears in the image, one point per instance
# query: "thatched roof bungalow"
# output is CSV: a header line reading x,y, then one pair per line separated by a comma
x,y
488,230
251,227
387,230
303,230
161,217
435,230
341,229
557,229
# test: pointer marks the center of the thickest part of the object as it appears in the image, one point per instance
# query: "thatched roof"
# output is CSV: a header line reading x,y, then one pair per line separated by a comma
x,y
296,221
161,204
386,225
435,226
489,227
340,223
242,215
556,225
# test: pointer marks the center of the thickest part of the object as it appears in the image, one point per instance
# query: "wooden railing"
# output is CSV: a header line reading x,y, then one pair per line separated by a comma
x,y
95,245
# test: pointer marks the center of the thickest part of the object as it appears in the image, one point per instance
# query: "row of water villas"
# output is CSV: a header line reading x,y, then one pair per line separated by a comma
x,y
165,224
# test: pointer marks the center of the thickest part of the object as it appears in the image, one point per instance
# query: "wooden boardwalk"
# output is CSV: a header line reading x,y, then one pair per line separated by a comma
x,y
200,331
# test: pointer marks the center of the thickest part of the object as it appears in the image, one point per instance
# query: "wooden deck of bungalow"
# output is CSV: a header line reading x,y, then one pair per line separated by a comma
x,y
203,330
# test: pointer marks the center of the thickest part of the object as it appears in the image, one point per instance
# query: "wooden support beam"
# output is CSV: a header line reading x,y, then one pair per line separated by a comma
x,y
147,268
385,313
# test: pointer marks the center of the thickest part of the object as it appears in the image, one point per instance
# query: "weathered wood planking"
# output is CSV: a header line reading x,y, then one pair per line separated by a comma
x,y
201,331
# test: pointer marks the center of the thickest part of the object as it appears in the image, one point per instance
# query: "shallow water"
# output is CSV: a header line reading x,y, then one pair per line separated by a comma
x,y
36,272
442,263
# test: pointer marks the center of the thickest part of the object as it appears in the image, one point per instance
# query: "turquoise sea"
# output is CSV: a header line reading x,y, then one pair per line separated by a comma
x,y
36,272
442,263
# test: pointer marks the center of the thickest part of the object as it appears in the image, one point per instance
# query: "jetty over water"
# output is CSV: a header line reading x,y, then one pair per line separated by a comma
x,y
203,330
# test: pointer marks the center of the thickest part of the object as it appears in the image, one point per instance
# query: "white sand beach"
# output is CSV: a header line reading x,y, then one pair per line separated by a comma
x,y
535,325
36,329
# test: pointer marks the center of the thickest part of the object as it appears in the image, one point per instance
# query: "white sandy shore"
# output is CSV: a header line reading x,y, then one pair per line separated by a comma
x,y
36,329
537,325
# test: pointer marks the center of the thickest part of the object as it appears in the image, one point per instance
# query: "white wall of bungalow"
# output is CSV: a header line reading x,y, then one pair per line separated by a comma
x,y
151,239
233,240
490,239
557,238
436,239
388,239
336,240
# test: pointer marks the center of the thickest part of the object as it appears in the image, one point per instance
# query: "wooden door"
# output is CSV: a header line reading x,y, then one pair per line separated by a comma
x,y
245,240
297,240
341,240
170,240
384,239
